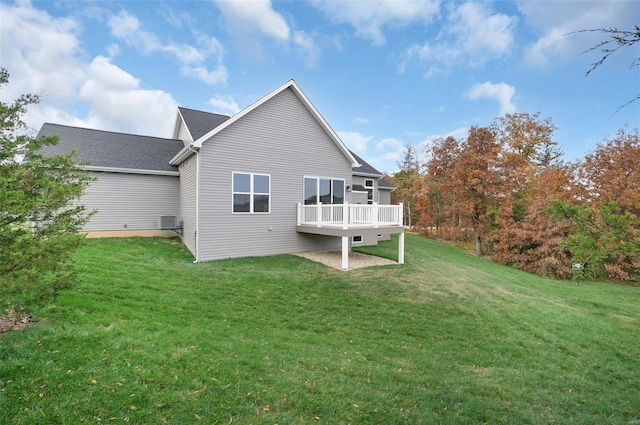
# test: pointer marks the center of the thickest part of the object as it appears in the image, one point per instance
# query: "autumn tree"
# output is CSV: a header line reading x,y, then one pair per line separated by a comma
x,y
476,184
434,197
606,212
39,218
532,241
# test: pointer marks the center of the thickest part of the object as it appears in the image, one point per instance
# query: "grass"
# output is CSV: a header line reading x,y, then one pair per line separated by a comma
x,y
151,338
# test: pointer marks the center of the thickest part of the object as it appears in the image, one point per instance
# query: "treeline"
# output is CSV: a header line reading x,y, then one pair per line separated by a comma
x,y
507,189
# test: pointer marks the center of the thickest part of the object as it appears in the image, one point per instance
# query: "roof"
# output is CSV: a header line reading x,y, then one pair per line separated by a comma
x,y
365,168
291,84
112,150
200,123
385,184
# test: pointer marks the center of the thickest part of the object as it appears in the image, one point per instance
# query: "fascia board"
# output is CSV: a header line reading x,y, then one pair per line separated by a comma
x,y
130,171
356,173
180,119
182,155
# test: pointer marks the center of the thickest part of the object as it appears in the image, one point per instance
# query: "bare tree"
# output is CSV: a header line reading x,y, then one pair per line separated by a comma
x,y
617,39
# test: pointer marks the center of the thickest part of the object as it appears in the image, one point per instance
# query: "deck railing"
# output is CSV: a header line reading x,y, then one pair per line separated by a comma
x,y
350,215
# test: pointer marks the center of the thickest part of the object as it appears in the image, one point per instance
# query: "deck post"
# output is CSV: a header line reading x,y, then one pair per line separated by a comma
x,y
345,252
401,248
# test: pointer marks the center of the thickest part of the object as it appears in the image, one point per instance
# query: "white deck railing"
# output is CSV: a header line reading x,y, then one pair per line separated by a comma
x,y
350,215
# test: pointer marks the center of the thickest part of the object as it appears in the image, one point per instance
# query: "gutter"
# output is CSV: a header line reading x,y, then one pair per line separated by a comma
x,y
130,170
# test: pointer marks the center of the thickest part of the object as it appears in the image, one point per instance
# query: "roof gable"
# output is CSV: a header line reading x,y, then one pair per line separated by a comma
x,y
112,150
291,84
200,122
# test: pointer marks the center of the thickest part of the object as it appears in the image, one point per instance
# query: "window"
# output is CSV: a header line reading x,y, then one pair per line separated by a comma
x,y
368,184
357,239
251,193
325,191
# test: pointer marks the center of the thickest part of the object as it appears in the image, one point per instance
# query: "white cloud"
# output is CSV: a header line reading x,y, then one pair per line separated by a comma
x,y
360,120
558,20
43,55
247,16
471,35
127,28
391,143
308,47
40,52
224,105
501,92
117,101
369,18
355,141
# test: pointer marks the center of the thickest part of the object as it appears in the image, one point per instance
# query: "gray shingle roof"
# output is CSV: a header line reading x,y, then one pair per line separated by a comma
x,y
109,149
200,123
365,167
384,184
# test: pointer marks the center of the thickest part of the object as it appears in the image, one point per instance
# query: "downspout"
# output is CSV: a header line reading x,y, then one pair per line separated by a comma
x,y
197,238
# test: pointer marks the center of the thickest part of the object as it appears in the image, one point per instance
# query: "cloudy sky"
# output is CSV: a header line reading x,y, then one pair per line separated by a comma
x,y
383,74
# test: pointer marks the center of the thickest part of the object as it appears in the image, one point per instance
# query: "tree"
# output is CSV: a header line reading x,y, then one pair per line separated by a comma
x,y
404,180
40,219
476,183
612,172
435,198
617,39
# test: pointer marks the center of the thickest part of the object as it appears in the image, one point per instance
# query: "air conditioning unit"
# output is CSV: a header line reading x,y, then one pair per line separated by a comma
x,y
167,222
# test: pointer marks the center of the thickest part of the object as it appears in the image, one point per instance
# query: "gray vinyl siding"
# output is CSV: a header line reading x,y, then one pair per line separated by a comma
x,y
134,200
359,180
359,197
384,197
188,173
280,138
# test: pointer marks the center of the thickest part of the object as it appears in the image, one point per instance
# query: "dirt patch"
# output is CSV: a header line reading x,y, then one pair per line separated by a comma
x,y
13,320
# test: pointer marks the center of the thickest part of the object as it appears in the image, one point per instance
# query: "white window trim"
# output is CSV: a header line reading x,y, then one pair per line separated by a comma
x,y
353,239
251,193
331,179
371,186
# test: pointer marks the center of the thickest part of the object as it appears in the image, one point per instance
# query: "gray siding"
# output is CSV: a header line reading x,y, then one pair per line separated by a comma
x,y
280,138
188,173
359,180
384,197
129,201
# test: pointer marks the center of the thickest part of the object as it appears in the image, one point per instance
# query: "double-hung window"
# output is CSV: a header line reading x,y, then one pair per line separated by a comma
x,y
324,191
251,193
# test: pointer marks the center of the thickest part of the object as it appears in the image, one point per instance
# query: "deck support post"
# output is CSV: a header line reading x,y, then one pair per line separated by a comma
x,y
345,252
401,248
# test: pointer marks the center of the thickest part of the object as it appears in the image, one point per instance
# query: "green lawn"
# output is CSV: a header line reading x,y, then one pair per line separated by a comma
x,y
151,338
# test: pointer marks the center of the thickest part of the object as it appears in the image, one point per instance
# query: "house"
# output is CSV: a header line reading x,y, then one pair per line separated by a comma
x,y
271,179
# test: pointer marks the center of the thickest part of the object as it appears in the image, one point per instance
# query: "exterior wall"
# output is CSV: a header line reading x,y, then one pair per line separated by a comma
x,y
282,139
360,180
384,197
188,183
129,201
359,198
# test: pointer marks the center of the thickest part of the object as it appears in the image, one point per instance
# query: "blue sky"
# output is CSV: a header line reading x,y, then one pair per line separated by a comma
x,y
383,74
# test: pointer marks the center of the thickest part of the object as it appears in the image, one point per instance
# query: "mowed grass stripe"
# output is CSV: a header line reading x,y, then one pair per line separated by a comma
x,y
150,337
